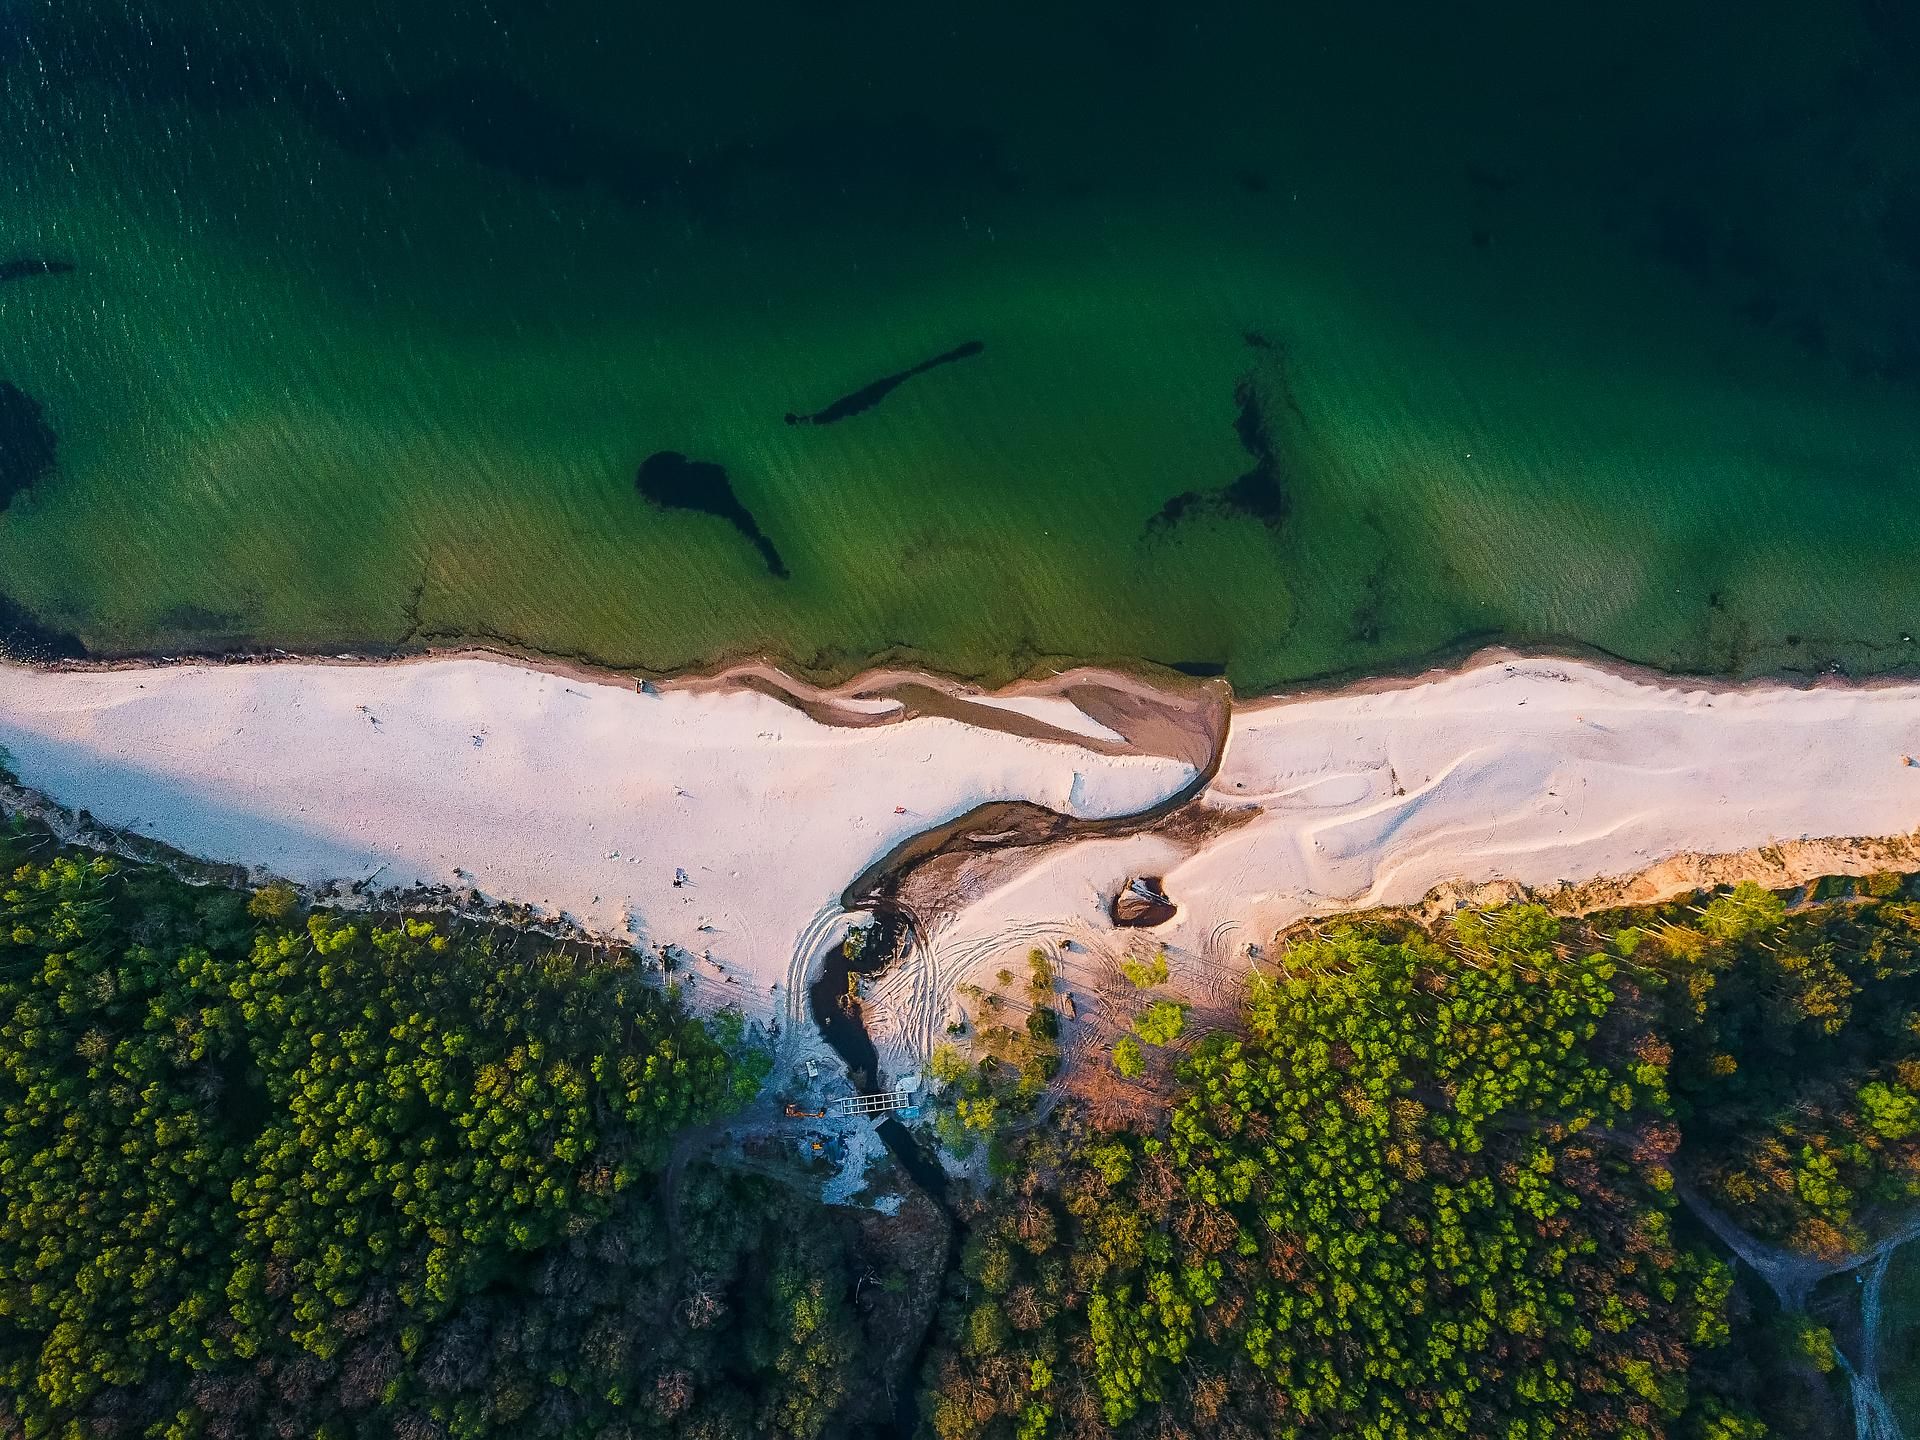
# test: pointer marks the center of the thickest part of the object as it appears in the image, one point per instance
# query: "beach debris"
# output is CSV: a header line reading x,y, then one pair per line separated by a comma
x,y
1141,902
680,878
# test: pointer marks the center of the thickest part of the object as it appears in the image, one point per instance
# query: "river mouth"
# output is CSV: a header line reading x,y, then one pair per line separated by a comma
x,y
836,1007
837,1012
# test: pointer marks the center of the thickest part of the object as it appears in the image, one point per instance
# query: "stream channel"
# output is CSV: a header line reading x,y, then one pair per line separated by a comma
x,y
881,891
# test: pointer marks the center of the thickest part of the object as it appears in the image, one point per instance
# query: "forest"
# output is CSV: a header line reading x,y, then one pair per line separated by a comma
x,y
271,1172
1450,1181
274,1170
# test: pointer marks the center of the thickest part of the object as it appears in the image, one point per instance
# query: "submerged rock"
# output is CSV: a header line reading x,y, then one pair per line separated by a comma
x,y
868,396
671,481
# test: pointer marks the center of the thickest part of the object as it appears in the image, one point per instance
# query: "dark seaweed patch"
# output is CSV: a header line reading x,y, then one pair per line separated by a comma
x,y
673,482
1364,627
868,396
198,622
499,124
1810,335
1199,669
1259,494
27,443
26,268
22,637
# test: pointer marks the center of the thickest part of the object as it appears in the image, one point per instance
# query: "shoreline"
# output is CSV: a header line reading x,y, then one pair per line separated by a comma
x,y
791,680
1388,791
829,703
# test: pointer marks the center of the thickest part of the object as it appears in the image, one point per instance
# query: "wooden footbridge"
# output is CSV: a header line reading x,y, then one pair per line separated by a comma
x,y
901,1097
884,1103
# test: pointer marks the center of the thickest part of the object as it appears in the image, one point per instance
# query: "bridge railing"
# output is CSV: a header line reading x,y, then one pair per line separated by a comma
x,y
880,1104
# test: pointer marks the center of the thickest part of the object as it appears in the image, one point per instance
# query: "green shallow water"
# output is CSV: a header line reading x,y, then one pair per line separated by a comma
x,y
1596,329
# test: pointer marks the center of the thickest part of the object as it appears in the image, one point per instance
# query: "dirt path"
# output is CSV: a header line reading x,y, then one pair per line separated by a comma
x,y
1873,1417
1792,1278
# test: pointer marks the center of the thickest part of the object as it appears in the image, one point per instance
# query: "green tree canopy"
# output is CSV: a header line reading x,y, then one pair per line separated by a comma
x,y
228,1130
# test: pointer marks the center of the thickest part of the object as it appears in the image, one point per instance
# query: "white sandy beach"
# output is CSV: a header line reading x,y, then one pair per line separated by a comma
x,y
592,799
586,799
1527,770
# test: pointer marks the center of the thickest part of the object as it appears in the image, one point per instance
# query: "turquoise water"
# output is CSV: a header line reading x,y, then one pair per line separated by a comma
x,y
1296,342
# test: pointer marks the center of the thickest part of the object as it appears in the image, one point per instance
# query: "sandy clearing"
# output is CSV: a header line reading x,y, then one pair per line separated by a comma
x,y
580,798
1534,771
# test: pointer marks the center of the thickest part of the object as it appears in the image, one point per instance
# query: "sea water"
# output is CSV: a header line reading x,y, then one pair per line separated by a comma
x,y
1288,340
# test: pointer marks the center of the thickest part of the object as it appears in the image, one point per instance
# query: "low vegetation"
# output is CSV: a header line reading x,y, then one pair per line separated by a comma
x,y
1013,1068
